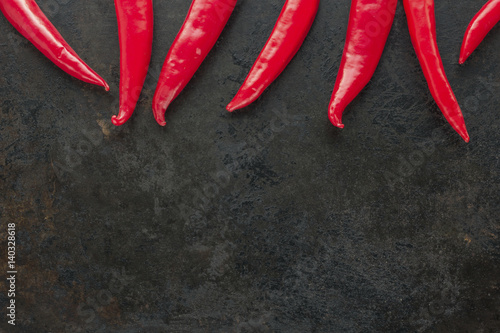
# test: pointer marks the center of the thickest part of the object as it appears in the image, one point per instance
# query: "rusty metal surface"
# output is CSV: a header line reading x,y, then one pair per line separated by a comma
x,y
266,220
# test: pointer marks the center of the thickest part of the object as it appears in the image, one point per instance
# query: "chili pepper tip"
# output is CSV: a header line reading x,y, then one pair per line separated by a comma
x,y
161,121
159,109
232,106
336,121
478,28
27,17
339,125
462,131
462,58
118,121
465,136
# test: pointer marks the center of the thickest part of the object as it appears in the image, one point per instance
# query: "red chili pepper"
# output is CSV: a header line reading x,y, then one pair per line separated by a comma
x,y
135,29
29,20
479,27
292,27
422,26
370,22
204,23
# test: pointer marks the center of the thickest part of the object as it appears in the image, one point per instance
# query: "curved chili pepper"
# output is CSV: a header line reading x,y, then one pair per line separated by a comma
x,y
292,27
422,26
370,22
479,27
135,30
29,20
204,23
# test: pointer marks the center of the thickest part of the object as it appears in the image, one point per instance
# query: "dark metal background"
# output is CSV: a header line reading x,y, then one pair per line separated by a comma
x,y
266,220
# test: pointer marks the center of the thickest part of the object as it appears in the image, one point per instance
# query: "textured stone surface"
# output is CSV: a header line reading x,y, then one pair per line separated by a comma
x,y
266,220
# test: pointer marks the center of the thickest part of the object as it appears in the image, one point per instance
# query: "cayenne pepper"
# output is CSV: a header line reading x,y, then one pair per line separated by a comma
x,y
369,25
204,23
135,30
422,27
29,20
479,27
292,27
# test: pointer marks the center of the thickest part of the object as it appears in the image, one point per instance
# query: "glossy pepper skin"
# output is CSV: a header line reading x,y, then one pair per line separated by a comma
x,y
204,23
29,20
292,27
370,22
479,27
422,26
135,32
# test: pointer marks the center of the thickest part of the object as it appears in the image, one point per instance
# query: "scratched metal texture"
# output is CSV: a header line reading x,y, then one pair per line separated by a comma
x,y
265,220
